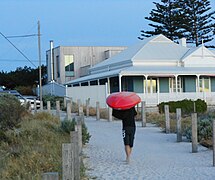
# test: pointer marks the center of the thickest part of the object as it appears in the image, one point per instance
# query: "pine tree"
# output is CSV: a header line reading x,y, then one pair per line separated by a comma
x,y
198,21
165,18
192,19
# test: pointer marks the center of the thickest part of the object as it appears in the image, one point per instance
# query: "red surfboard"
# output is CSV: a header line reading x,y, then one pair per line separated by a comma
x,y
123,100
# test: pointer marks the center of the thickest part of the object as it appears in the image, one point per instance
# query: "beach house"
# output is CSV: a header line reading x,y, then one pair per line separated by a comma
x,y
158,69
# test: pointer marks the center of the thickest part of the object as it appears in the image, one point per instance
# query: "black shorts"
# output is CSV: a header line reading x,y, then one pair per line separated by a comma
x,y
128,135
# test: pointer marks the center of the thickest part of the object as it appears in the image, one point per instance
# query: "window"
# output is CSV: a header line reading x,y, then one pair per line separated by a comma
x,y
151,85
173,85
204,84
58,66
69,65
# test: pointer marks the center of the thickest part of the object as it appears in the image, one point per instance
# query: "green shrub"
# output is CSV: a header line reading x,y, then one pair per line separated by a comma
x,y
187,106
68,125
10,112
53,100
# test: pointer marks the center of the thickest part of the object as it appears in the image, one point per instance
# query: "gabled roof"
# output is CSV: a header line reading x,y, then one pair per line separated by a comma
x,y
157,48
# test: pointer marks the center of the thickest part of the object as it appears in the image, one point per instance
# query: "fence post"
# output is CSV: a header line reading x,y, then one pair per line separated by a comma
x,y
64,102
79,130
49,106
194,106
214,142
41,105
74,141
143,113
194,133
50,176
178,118
167,119
58,108
110,117
68,111
97,111
35,106
87,107
68,161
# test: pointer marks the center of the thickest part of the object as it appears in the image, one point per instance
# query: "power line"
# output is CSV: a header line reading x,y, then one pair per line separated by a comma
x,y
28,35
18,50
19,60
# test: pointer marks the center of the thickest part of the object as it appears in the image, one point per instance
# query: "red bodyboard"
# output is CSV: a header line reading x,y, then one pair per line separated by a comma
x,y
123,100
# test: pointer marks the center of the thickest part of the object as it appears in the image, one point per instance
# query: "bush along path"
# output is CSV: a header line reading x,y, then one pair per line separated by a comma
x,y
155,155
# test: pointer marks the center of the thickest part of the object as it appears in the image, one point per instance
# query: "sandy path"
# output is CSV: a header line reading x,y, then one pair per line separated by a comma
x,y
155,155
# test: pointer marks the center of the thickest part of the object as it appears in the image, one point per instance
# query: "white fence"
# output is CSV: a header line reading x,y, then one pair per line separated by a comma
x,y
54,88
99,93
95,93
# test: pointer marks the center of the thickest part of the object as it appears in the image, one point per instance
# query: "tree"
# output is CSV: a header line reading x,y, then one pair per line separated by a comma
x,y
192,19
198,21
166,18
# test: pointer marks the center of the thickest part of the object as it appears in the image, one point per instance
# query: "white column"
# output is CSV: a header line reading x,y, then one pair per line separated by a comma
x,y
146,88
176,83
108,84
120,83
197,86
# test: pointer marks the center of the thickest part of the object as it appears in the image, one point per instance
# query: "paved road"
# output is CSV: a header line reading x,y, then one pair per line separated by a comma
x,y
156,155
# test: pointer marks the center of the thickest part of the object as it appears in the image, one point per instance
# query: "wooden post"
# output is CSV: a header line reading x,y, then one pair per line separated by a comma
x,y
213,142
110,117
49,106
143,113
194,106
178,118
68,161
35,106
64,102
97,111
50,176
68,111
74,141
58,108
87,107
79,104
167,119
79,129
41,105
80,110
194,133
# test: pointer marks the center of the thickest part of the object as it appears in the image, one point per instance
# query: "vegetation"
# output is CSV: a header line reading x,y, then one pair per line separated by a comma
x,y
22,79
175,19
32,144
187,106
10,114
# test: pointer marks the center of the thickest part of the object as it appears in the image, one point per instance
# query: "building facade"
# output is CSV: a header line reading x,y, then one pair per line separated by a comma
x,y
156,66
66,63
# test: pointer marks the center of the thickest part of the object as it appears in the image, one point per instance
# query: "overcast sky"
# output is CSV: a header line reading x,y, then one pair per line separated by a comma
x,y
68,23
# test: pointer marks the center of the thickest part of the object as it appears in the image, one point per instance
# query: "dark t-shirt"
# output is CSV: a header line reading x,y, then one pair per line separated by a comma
x,y
127,116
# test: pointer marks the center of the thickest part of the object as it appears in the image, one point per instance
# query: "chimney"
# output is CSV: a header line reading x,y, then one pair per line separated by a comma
x,y
51,60
183,42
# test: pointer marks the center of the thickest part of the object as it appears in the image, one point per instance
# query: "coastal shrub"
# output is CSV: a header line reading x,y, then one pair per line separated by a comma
x,y
69,125
187,106
53,100
204,130
33,148
10,112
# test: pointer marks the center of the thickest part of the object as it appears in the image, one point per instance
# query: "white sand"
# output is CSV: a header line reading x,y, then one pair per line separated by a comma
x,y
155,155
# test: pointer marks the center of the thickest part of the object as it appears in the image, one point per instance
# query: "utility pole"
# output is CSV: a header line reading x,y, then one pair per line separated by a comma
x,y
39,54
